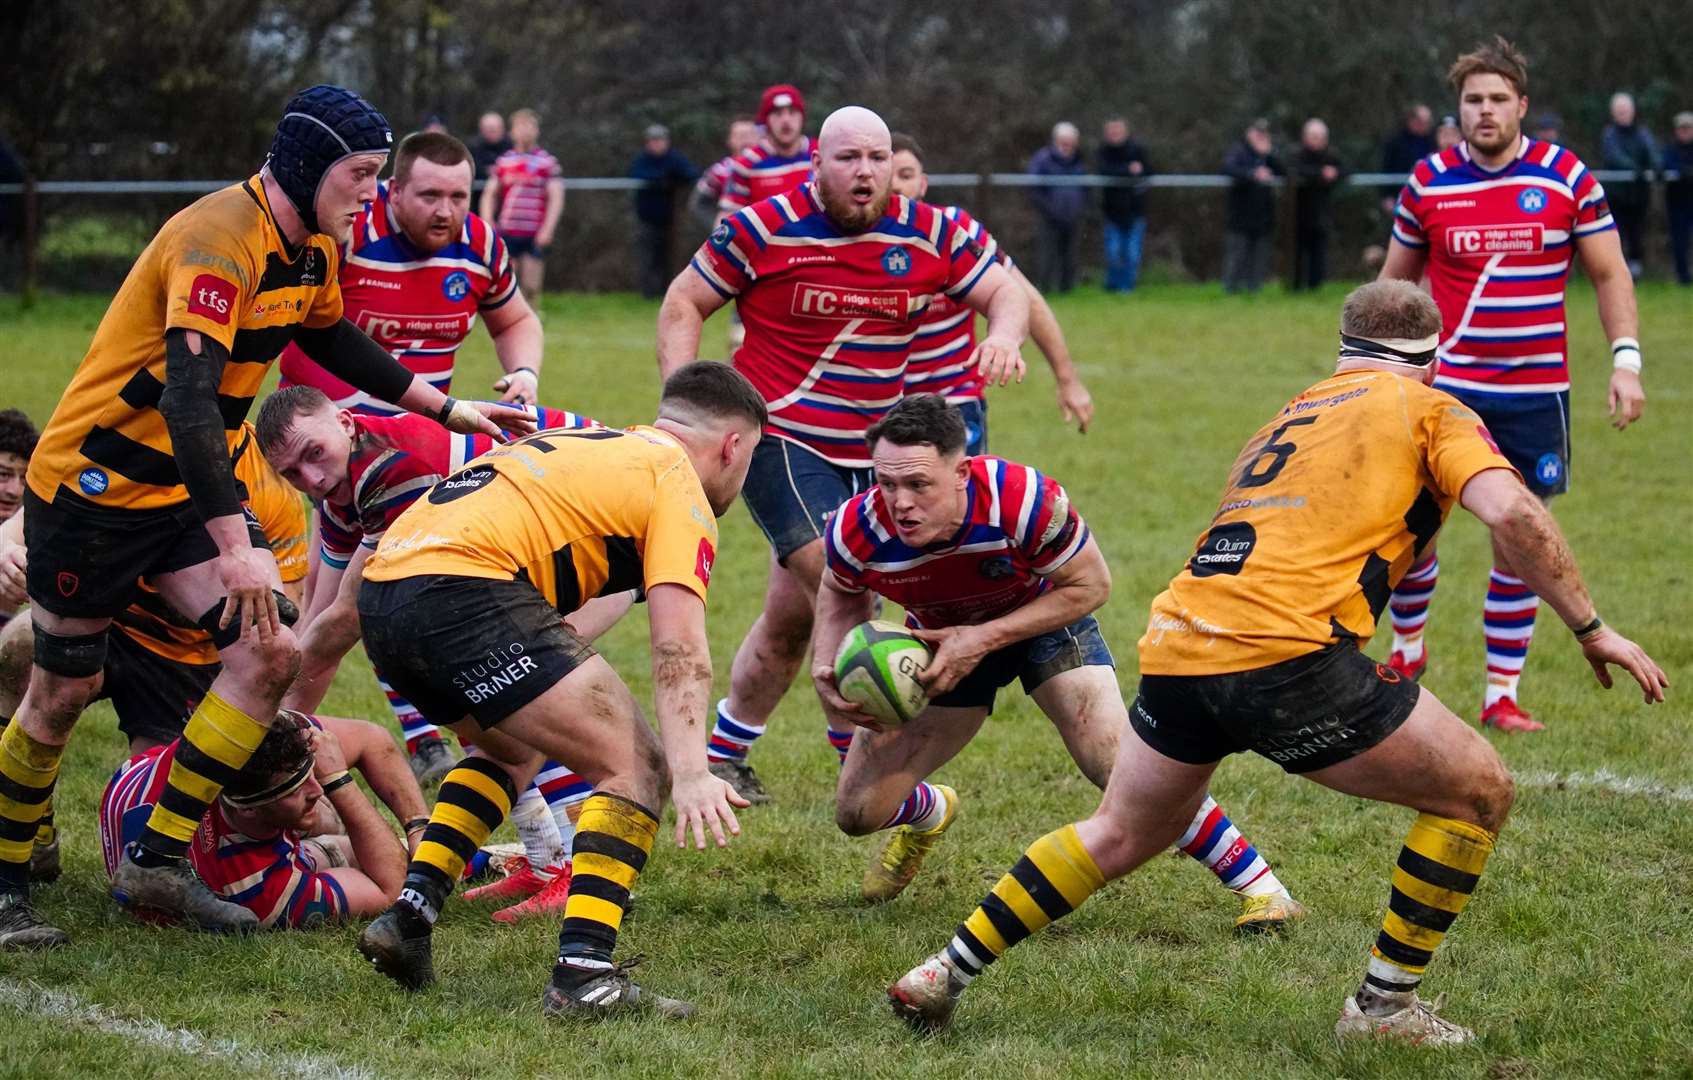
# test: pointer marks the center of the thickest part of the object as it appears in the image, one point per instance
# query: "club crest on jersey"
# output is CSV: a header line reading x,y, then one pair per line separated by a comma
x,y
456,286
721,236
93,481
1531,200
897,260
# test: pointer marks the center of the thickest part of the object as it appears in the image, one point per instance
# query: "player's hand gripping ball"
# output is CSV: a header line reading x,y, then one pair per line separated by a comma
x,y
877,666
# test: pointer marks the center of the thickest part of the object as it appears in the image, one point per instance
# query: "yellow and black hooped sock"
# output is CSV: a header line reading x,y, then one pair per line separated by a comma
x,y
1437,872
28,770
1051,880
614,836
217,741
474,798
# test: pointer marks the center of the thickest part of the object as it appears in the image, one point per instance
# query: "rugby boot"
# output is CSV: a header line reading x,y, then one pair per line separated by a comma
x,y
903,853
1417,1024
926,996
520,883
1408,669
1506,715
44,862
176,891
1268,913
398,943
432,760
22,927
739,775
607,992
548,901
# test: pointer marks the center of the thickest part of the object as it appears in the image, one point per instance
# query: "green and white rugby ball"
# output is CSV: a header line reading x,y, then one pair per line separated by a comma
x,y
877,667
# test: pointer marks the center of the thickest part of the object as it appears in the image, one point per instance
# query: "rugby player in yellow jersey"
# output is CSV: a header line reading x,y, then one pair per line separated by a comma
x,y
133,478
461,611
1256,646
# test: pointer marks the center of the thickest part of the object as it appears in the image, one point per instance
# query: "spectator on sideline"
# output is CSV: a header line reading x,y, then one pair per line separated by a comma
x,y
1316,171
1448,134
524,199
665,170
1548,127
1678,194
433,122
1407,146
1059,207
1248,242
489,144
743,132
1627,146
1124,207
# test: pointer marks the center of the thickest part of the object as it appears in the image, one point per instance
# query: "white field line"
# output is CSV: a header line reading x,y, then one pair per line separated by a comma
x,y
1605,780
66,1008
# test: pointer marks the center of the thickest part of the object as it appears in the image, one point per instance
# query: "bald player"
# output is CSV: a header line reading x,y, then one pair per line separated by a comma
x,y
833,280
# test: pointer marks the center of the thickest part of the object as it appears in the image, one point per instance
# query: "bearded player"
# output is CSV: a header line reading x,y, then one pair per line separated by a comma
x,y
833,281
948,335
418,270
133,478
998,573
1493,223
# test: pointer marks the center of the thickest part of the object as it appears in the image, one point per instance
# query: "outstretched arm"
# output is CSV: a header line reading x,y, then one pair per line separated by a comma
x,y
998,356
1602,259
518,341
332,629
688,303
1074,401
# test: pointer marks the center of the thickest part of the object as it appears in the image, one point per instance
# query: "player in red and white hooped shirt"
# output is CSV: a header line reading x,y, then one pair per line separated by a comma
x,y
832,281
948,335
418,270
263,843
363,472
708,191
1494,222
997,571
779,160
524,198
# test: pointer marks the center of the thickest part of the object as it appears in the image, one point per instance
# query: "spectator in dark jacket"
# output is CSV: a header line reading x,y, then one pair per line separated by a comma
x,y
1678,194
1060,207
1401,152
665,171
1124,207
1628,146
1249,243
1316,171
491,141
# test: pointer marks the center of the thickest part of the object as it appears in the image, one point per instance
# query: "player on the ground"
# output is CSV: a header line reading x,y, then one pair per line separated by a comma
x,y
269,842
460,608
944,342
1494,222
1256,646
17,442
998,573
708,191
418,270
133,478
833,281
364,471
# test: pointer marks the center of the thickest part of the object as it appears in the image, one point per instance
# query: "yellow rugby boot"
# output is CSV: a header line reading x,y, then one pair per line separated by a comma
x,y
903,853
1268,913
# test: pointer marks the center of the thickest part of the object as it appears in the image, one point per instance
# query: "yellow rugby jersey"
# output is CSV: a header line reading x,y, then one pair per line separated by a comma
x,y
151,623
220,267
1326,509
577,512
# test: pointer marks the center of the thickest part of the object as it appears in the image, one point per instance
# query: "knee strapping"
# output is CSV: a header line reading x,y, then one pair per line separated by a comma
x,y
75,656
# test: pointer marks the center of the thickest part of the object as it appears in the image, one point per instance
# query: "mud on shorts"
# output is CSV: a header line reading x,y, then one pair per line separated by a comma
x,y
791,491
459,646
1306,713
1033,661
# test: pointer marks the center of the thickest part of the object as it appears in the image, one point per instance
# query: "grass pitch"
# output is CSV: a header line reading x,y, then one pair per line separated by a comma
x,y
1572,960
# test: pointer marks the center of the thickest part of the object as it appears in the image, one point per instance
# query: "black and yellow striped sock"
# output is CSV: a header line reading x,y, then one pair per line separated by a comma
x,y
217,741
1051,880
28,770
1437,872
613,839
474,798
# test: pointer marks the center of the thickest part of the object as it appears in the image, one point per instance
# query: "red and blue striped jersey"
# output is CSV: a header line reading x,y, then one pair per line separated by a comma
x,y
1499,246
1018,529
830,315
947,335
273,877
523,176
418,307
394,460
759,172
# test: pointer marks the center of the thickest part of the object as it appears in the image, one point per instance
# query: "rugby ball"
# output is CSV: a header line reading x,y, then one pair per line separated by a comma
x,y
877,667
